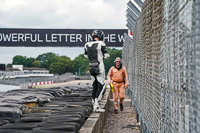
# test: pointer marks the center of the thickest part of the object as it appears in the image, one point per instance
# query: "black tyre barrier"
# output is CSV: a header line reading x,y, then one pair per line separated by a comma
x,y
11,105
56,103
67,91
10,101
77,110
84,114
13,131
67,119
61,116
65,99
14,92
71,95
52,108
48,131
27,126
70,128
78,118
44,93
89,95
69,111
36,115
76,99
9,119
87,104
3,122
57,123
33,119
77,96
66,112
79,91
56,92
41,103
10,114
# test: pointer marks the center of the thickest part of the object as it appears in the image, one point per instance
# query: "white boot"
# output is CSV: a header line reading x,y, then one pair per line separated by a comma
x,y
93,102
96,107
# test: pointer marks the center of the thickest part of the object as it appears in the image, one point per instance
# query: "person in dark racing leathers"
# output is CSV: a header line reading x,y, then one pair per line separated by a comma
x,y
96,52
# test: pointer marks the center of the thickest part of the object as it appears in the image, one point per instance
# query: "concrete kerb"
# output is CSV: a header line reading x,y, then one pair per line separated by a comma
x,y
96,121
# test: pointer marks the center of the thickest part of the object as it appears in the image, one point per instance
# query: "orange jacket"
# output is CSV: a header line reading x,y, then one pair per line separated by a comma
x,y
118,75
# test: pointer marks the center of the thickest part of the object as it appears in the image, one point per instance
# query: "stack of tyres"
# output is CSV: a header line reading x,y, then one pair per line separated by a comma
x,y
66,111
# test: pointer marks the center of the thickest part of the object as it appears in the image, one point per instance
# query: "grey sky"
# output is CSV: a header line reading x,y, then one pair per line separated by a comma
x,y
59,14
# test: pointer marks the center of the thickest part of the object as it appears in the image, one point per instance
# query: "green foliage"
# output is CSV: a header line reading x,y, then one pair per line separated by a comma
x,y
36,63
23,60
81,63
9,65
57,68
19,60
28,62
62,65
47,59
113,54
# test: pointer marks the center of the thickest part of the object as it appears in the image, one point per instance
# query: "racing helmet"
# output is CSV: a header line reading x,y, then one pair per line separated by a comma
x,y
99,34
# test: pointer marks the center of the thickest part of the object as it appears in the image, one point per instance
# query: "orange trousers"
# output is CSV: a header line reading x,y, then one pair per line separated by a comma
x,y
118,93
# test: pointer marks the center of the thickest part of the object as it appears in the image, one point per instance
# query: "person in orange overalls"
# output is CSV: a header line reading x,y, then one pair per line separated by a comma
x,y
117,75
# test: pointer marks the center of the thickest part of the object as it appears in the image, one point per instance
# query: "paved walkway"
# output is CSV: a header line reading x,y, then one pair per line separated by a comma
x,y
124,122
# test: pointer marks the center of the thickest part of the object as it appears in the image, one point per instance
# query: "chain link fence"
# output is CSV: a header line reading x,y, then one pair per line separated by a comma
x,y
163,62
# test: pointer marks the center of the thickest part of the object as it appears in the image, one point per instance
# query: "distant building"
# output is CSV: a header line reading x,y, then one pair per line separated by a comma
x,y
34,70
20,67
19,71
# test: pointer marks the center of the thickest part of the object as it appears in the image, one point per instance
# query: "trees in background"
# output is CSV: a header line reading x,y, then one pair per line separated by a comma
x,y
29,62
47,59
54,63
113,54
81,65
36,63
62,64
19,60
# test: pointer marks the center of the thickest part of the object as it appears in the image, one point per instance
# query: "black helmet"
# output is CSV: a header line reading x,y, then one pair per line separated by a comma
x,y
99,34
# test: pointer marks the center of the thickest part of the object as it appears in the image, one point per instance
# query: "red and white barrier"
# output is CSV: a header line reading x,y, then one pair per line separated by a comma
x,y
42,83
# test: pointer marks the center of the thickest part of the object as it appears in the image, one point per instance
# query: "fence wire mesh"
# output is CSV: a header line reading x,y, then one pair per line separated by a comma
x,y
163,62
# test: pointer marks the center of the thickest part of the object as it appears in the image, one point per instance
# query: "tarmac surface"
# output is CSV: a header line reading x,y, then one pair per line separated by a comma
x,y
123,122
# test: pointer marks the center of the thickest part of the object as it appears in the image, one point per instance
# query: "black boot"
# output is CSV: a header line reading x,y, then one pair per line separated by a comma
x,y
121,107
116,111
